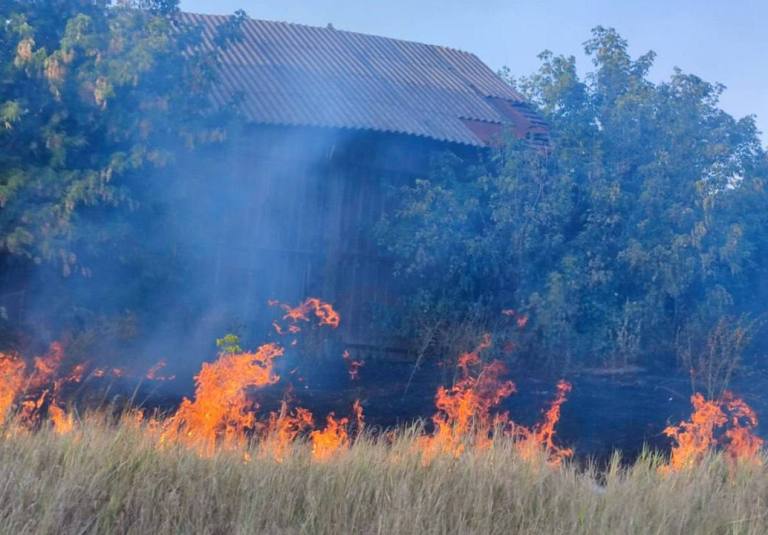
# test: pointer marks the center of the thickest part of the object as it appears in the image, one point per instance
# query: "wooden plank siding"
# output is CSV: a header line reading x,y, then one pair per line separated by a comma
x,y
292,212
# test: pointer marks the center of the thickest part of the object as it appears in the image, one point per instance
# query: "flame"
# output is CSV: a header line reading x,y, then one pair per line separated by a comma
x,y
77,373
704,431
153,372
42,387
46,367
37,393
12,379
63,421
541,436
112,372
282,429
324,312
334,438
464,410
743,444
521,320
353,366
220,413
357,410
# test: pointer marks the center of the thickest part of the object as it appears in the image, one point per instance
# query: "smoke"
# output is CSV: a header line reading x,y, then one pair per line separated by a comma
x,y
273,213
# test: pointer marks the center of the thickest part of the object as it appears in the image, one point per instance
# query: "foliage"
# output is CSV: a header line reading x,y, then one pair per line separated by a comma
x,y
229,344
100,103
93,97
646,217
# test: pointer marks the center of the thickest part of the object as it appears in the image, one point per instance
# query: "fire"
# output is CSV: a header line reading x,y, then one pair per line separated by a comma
x,y
45,369
465,414
353,366
743,444
521,319
153,374
541,436
464,410
324,312
36,394
335,437
63,421
112,372
728,422
282,429
77,373
12,379
221,413
327,442
41,387
357,410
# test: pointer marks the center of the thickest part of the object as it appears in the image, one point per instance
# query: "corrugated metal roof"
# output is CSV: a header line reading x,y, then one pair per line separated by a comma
x,y
292,74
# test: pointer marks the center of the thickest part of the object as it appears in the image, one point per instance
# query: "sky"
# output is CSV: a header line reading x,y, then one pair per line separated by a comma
x,y
722,41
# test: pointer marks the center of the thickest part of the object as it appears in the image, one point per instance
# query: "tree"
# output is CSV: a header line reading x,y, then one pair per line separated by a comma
x,y
98,102
93,96
642,226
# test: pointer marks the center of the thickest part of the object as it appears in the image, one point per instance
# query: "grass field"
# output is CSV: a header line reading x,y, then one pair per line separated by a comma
x,y
106,478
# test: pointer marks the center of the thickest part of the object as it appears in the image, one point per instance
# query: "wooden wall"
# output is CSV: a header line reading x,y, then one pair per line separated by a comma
x,y
288,213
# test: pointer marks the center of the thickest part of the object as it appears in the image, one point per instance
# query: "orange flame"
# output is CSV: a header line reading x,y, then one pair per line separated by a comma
x,y
357,410
464,410
324,312
112,372
282,429
743,444
43,386
154,375
703,432
12,378
38,392
335,438
329,441
541,436
220,412
353,366
63,421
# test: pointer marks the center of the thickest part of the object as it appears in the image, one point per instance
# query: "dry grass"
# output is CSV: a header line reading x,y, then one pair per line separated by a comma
x,y
113,479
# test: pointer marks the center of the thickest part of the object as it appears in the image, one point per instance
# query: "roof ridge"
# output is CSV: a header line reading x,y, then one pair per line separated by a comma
x,y
323,28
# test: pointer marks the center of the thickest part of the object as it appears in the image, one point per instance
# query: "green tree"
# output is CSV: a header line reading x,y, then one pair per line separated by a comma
x,y
100,101
644,223
93,97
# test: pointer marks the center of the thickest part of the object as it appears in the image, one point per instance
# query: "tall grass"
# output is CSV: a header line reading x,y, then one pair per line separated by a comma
x,y
107,478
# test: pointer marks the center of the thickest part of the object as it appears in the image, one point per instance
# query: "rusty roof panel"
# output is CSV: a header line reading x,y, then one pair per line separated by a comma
x,y
302,75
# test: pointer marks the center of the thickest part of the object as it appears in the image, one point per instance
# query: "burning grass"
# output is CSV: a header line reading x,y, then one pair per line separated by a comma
x,y
213,466
108,477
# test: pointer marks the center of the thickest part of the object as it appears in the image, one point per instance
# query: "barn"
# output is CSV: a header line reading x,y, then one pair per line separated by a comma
x,y
334,120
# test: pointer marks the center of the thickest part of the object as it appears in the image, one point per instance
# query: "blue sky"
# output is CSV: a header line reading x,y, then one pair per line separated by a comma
x,y
719,40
